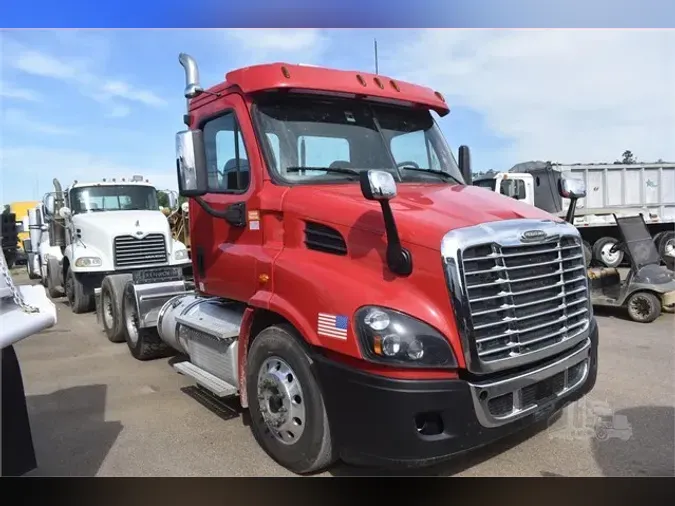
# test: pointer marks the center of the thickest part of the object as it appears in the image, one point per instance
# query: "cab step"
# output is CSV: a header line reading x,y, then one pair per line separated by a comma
x,y
212,383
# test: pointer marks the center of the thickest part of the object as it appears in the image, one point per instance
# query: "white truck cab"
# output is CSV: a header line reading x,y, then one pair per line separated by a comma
x,y
106,227
519,186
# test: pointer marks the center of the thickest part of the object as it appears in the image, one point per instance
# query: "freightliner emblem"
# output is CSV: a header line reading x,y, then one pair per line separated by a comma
x,y
533,236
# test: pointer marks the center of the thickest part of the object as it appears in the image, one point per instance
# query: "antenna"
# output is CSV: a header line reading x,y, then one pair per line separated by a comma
x,y
376,65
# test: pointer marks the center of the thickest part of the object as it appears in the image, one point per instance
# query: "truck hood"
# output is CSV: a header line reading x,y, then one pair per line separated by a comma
x,y
114,223
424,213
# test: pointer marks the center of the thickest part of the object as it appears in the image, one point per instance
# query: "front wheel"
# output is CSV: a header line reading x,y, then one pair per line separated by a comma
x,y
80,298
288,415
112,290
644,307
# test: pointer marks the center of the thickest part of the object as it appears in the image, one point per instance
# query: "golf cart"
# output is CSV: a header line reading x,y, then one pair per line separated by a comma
x,y
649,287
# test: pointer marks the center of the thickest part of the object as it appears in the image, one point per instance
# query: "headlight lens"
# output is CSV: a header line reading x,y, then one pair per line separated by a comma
x,y
88,262
180,254
394,338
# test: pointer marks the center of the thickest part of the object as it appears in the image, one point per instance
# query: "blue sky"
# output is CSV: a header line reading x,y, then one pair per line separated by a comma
x,y
92,104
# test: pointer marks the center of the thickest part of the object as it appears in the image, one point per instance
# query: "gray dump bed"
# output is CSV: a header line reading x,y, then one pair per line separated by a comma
x,y
624,189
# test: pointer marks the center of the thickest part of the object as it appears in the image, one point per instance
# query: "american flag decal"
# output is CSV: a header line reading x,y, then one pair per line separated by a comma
x,y
331,325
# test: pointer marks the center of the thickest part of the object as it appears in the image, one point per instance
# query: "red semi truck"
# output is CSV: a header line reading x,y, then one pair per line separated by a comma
x,y
362,299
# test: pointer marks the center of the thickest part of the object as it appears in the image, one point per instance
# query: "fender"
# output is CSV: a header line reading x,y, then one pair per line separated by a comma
x,y
280,307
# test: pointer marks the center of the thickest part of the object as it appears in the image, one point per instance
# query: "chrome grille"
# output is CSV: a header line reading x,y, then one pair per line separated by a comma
x,y
524,298
131,251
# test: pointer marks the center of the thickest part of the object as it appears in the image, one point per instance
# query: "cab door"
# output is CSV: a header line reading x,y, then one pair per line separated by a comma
x,y
225,229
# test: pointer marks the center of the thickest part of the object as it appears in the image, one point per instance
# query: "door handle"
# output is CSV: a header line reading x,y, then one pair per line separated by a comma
x,y
235,214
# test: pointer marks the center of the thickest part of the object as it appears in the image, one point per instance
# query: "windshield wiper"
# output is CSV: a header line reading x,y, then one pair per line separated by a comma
x,y
432,171
339,170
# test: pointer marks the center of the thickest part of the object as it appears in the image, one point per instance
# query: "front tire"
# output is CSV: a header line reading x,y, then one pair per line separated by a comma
x,y
81,299
288,415
112,291
144,343
644,307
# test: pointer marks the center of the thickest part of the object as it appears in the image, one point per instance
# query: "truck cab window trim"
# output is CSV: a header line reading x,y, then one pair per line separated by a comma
x,y
273,168
238,137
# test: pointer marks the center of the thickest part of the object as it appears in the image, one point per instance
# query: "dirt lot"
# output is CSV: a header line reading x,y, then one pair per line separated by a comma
x,y
95,411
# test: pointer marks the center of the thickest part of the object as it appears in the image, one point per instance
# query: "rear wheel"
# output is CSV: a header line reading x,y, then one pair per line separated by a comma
x,y
144,343
112,290
644,307
603,252
666,247
288,416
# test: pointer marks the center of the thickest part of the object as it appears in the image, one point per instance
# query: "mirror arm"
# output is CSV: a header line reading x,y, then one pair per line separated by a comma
x,y
399,259
571,210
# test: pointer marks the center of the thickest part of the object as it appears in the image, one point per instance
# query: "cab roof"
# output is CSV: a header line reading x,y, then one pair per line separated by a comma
x,y
80,184
276,76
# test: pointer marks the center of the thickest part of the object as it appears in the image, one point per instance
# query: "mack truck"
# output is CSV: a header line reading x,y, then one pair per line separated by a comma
x,y
351,288
104,227
613,190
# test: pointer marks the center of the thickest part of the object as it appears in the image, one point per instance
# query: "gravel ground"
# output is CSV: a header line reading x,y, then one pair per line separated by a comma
x,y
95,411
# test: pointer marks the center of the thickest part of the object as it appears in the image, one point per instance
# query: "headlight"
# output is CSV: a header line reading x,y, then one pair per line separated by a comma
x,y
180,254
391,337
88,262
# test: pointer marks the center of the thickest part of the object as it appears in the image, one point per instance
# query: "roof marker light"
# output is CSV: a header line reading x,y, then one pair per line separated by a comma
x,y
379,83
285,72
438,94
361,80
394,85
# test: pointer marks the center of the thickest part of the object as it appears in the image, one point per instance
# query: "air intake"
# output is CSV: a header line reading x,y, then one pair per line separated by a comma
x,y
325,239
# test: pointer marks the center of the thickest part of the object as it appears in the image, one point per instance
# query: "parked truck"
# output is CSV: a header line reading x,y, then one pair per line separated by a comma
x,y
20,210
9,235
101,228
621,189
351,287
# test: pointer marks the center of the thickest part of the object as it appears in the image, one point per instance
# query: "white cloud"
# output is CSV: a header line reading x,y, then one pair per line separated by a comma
x,y
78,73
565,95
26,172
13,92
19,120
260,45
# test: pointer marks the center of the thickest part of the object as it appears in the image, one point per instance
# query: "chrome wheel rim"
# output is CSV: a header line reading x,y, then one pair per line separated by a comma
x,y
281,400
608,256
131,319
106,302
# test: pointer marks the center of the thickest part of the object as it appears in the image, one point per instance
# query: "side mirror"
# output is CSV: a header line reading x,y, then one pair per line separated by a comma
x,y
377,185
571,188
465,164
65,212
191,163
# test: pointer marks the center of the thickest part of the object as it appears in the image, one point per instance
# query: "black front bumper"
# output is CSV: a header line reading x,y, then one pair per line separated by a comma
x,y
376,420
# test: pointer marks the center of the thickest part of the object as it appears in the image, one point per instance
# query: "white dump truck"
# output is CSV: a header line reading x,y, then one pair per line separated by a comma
x,y
102,228
612,189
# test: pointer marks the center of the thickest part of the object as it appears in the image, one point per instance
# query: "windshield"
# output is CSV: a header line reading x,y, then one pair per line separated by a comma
x,y
311,139
113,198
485,183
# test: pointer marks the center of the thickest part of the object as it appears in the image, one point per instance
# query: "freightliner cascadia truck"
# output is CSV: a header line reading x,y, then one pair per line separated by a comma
x,y
351,287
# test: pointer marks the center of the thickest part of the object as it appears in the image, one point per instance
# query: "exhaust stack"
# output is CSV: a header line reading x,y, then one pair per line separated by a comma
x,y
57,225
192,86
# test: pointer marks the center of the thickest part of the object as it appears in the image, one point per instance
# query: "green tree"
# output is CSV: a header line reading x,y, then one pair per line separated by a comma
x,y
163,199
6,210
628,157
